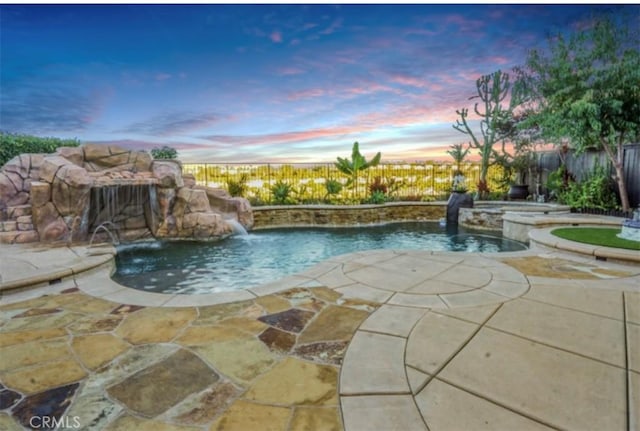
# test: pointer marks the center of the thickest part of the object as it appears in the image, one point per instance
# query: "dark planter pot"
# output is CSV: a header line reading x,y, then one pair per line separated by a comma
x,y
518,191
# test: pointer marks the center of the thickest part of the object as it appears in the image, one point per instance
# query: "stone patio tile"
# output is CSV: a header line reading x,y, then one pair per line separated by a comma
x,y
315,418
417,300
478,314
208,298
559,388
273,303
296,382
203,407
44,376
471,298
334,323
507,289
504,272
161,386
320,269
381,412
453,258
7,423
373,257
633,346
361,291
91,305
434,340
334,278
435,286
590,300
155,325
35,352
387,279
98,349
416,379
374,363
412,265
54,320
94,410
393,320
476,278
241,360
634,400
632,304
445,407
244,416
22,337
128,423
593,336
279,285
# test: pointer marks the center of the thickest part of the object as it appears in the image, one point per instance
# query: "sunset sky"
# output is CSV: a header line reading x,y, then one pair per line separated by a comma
x,y
241,83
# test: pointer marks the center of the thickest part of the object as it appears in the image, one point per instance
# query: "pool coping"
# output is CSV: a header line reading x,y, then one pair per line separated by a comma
x,y
97,262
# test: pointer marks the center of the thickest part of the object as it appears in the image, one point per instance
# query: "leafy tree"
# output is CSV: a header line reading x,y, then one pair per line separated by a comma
x,y
587,90
353,167
492,90
164,153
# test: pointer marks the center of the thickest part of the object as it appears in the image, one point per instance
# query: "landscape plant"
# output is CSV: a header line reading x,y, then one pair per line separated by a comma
x,y
594,191
281,193
333,187
586,89
237,188
353,167
14,144
164,153
493,90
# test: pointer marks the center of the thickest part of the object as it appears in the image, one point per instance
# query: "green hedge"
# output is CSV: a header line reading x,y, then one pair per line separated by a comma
x,y
13,144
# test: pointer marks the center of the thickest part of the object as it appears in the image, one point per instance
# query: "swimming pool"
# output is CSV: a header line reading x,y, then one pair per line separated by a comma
x,y
240,262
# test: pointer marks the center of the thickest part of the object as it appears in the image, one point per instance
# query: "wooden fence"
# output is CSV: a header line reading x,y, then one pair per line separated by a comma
x,y
582,165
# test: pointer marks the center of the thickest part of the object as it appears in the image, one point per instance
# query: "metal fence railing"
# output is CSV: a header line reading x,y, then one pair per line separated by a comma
x,y
411,181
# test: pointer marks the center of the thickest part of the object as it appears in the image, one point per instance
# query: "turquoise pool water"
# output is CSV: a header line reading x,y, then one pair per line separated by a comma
x,y
240,262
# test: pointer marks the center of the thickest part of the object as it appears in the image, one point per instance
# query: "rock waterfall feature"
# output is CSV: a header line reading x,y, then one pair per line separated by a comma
x,y
67,195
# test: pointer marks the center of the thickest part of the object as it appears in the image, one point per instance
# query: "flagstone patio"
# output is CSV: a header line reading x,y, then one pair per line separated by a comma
x,y
390,339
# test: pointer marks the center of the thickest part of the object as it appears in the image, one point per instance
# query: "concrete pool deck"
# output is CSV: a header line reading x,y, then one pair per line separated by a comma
x,y
382,339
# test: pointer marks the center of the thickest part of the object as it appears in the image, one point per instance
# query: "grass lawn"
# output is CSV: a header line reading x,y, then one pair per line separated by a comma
x,y
596,236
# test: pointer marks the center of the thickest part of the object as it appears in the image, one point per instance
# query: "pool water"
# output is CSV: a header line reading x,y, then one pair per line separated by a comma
x,y
241,262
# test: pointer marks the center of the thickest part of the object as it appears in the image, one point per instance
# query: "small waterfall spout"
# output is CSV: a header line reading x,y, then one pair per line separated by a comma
x,y
238,229
103,226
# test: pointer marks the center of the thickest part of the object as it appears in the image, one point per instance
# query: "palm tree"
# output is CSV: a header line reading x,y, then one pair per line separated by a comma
x,y
358,163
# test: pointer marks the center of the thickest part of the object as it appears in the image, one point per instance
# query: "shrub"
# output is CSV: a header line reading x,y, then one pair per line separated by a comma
x,y
595,191
378,186
164,153
13,144
377,197
333,187
281,192
237,188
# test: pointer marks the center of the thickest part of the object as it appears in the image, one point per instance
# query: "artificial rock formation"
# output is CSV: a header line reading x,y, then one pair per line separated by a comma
x,y
67,195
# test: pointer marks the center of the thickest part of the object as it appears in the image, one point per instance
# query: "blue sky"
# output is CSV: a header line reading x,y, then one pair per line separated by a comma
x,y
262,83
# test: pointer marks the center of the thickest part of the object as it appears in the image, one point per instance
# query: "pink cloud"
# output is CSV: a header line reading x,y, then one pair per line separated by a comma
x,y
408,80
306,94
284,137
464,23
498,59
335,25
285,71
276,37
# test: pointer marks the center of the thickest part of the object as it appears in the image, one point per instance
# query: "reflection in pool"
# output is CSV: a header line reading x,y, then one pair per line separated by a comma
x,y
240,262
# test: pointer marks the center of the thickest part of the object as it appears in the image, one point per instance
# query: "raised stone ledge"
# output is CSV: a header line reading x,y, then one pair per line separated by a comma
x,y
345,215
